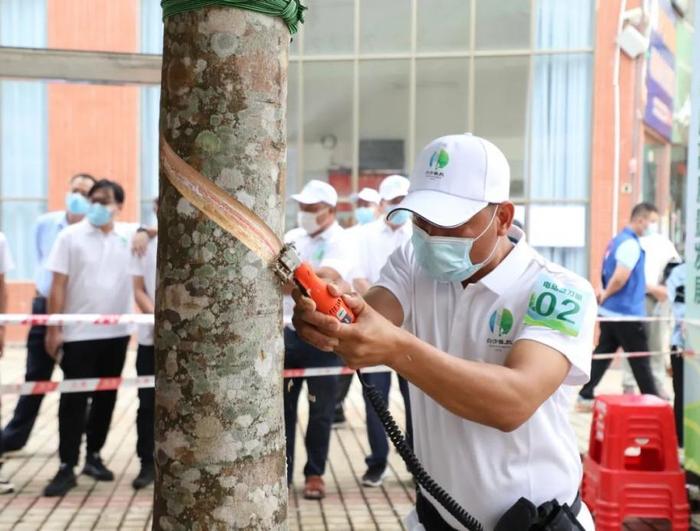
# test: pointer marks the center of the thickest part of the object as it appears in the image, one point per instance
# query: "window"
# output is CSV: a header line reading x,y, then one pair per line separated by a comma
x,y
151,42
515,72
23,123
442,104
329,27
500,106
385,26
443,25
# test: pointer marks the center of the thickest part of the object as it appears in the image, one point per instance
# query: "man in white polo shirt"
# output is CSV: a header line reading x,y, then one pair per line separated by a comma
x,y
380,239
491,336
322,242
90,264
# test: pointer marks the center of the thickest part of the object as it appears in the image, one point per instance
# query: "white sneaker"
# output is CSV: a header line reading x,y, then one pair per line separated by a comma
x,y
6,487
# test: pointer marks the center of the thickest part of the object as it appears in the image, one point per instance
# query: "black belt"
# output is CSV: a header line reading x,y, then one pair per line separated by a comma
x,y
432,520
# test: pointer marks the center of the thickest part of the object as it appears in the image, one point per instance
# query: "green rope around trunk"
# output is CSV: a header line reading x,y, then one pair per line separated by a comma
x,y
291,11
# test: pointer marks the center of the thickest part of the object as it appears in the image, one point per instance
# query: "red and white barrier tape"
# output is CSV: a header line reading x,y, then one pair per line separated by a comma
x,y
75,386
110,384
60,319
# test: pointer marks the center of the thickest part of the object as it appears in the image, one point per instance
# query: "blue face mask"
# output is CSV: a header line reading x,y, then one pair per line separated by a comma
x,y
77,204
400,217
364,215
445,258
98,215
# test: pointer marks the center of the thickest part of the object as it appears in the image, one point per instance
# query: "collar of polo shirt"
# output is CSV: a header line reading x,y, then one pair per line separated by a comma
x,y
505,274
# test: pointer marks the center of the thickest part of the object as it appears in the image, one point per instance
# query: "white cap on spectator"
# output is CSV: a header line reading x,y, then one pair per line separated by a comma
x,y
317,191
369,194
456,176
393,186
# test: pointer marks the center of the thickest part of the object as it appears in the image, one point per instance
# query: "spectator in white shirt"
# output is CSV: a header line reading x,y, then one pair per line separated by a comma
x,y
379,240
322,242
90,264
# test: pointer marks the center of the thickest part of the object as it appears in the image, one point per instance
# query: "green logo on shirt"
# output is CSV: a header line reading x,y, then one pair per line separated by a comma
x,y
501,322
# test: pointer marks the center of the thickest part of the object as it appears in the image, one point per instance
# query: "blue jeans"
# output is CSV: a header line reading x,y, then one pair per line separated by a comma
x,y
378,442
322,392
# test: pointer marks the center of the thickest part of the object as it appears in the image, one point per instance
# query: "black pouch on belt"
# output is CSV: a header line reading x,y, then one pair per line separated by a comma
x,y
550,516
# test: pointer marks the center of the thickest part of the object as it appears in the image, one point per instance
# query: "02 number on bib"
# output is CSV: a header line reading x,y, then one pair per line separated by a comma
x,y
555,306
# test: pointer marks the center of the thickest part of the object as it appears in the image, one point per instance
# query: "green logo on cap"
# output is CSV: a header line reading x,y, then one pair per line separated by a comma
x,y
439,159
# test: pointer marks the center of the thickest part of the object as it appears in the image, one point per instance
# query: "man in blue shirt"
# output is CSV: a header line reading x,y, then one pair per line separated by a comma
x,y
39,363
624,290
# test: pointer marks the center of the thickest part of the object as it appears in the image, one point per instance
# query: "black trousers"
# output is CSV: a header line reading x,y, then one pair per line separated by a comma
x,y
145,366
677,364
631,336
39,367
88,359
322,391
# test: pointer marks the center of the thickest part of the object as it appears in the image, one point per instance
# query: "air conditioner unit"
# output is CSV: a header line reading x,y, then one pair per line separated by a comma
x,y
632,42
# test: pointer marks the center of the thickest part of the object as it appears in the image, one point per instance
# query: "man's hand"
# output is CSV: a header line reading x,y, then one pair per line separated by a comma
x,y
658,292
600,296
371,340
139,243
53,341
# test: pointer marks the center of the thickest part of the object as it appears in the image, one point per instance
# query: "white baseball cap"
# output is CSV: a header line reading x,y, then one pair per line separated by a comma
x,y
317,191
455,177
393,186
369,194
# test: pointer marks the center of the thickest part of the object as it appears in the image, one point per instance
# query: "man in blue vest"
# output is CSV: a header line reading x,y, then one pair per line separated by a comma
x,y
624,289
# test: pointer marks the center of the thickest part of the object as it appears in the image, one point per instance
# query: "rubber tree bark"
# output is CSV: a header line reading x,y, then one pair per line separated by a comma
x,y
219,428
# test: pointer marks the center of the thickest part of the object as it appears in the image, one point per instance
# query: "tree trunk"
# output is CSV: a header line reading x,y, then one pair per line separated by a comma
x,y
219,430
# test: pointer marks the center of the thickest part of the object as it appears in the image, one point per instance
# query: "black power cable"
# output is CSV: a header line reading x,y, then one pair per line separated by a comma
x,y
414,465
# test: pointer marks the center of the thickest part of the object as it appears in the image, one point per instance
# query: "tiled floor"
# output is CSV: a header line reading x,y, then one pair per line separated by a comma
x,y
116,505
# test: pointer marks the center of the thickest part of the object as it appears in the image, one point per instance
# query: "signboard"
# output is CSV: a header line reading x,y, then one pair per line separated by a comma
x,y
661,76
691,385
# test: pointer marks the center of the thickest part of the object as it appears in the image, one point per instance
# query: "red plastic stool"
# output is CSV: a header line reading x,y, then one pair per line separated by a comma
x,y
632,464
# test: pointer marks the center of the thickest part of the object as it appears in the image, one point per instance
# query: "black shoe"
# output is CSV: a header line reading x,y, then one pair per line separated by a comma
x,y
63,481
95,468
339,416
374,476
145,477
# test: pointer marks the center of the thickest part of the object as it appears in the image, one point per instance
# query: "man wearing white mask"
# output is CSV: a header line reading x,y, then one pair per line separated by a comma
x,y
491,336
379,239
367,210
90,264
367,206
322,242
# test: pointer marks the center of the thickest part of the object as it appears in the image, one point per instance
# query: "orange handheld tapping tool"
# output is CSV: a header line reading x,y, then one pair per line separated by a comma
x,y
289,267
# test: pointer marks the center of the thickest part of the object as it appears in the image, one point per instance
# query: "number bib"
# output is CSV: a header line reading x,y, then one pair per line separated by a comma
x,y
555,306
